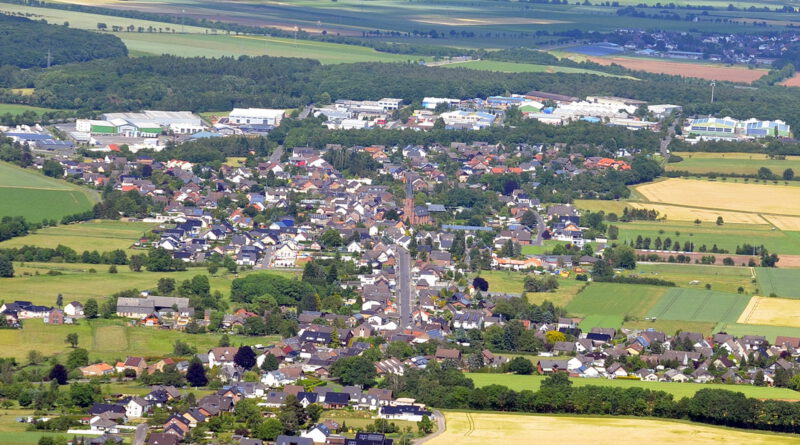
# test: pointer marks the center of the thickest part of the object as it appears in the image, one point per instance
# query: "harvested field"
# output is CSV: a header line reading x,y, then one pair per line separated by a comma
x,y
692,213
754,198
465,21
793,81
789,261
784,222
771,312
686,69
491,428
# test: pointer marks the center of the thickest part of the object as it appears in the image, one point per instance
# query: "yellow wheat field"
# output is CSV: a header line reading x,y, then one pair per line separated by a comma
x,y
490,428
678,213
772,312
754,198
784,222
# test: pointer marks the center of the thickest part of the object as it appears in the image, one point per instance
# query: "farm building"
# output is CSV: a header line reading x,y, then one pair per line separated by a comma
x,y
259,116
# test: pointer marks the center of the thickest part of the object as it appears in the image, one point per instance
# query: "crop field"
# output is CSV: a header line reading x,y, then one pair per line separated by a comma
x,y
699,305
510,67
670,327
771,312
601,321
677,213
738,163
36,197
679,390
721,278
781,282
106,339
686,69
726,236
615,299
76,282
770,332
752,198
97,235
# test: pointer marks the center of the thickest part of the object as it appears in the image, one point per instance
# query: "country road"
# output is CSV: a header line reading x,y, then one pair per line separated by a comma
x,y
440,427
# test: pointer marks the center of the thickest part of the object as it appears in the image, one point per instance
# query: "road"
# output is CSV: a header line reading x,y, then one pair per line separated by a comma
x,y
664,148
440,427
404,285
140,434
540,228
276,155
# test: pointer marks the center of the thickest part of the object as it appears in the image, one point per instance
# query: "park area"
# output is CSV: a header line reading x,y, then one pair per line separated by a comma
x,y
736,163
686,69
473,428
37,197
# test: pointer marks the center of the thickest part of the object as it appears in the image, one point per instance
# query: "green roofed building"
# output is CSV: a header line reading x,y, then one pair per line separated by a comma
x,y
714,127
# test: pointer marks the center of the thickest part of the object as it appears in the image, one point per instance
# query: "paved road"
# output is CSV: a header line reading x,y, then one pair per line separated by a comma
x,y
276,155
306,111
440,427
664,148
140,434
404,285
540,228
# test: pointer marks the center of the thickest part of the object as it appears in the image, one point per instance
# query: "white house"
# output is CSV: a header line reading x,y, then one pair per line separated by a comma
x,y
221,356
411,413
256,116
74,309
136,407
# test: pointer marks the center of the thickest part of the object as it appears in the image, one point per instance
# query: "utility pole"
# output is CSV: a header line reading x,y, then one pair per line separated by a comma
x,y
713,84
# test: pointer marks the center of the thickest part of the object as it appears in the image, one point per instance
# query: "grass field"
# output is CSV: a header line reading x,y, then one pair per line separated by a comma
x,y
15,109
739,163
106,339
478,428
772,312
699,305
615,299
679,390
512,283
781,282
36,197
97,235
721,278
510,67
670,327
770,332
601,321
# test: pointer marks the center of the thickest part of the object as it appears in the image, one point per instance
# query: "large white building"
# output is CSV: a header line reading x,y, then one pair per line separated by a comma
x,y
256,116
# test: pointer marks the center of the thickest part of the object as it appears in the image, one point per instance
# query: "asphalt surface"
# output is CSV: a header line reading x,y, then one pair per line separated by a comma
x,y
439,430
404,285
540,228
140,434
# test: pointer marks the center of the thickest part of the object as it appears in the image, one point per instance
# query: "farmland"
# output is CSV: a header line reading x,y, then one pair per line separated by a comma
x,y
509,67
688,69
36,197
721,278
15,109
106,339
679,390
737,163
699,305
615,299
771,312
770,332
672,326
781,282
91,235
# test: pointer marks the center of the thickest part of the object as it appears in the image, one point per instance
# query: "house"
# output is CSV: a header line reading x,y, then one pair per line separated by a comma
x,y
98,369
137,364
163,439
292,440
443,354
222,356
547,366
74,309
136,407
369,439
412,413
143,307
319,434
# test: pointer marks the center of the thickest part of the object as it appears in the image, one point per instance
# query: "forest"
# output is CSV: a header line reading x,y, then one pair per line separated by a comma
x,y
25,43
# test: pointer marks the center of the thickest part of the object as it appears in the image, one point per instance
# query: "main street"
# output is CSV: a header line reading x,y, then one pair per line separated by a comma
x,y
403,277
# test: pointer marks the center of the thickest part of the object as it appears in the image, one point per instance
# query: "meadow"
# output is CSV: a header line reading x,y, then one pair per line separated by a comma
x,y
510,282
100,235
770,332
699,305
36,197
480,428
737,163
107,340
15,109
781,282
612,299
721,278
510,67
679,390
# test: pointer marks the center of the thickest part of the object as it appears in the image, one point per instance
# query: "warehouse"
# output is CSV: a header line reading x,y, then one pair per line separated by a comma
x,y
257,116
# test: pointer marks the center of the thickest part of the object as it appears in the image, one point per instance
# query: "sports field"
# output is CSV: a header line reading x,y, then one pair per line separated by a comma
x,y
699,305
679,390
36,197
771,312
738,163
781,282
615,299
100,235
752,198
473,428
106,339
721,278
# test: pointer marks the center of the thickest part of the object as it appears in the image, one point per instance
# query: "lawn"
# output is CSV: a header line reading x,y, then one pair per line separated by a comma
x,y
107,340
679,390
615,299
481,428
781,282
721,278
510,282
36,197
100,235
699,305
738,163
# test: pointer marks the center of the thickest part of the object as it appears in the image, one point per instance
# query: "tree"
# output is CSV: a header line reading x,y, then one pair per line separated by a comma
x,y
83,395
425,425
520,365
112,268
6,267
270,363
136,263
245,357
356,370
554,337
181,348
480,284
90,308
720,221
58,373
529,219
788,174
72,339
331,238
77,357
52,168
268,430
34,357
60,300
314,412
292,416
224,341
196,374
166,286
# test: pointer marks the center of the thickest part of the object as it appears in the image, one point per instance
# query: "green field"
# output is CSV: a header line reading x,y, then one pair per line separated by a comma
x,y
726,236
601,321
100,235
781,282
15,109
737,163
770,332
679,390
615,299
107,340
699,305
670,327
510,282
36,197
78,283
721,278
510,67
